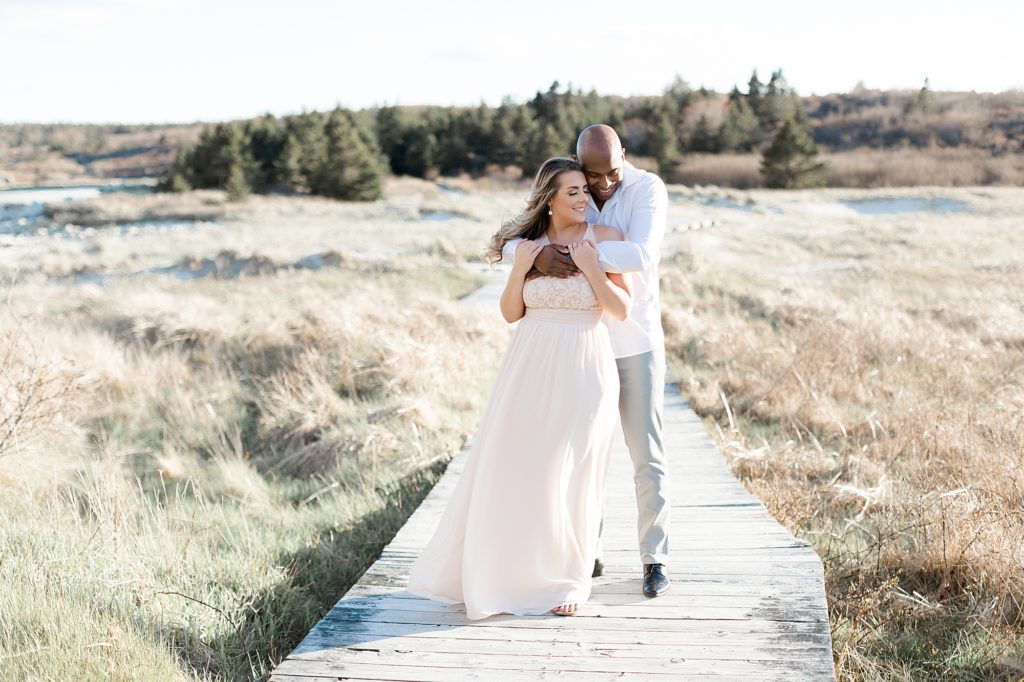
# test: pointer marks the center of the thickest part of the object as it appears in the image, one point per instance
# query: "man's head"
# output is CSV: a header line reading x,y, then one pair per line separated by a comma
x,y
600,152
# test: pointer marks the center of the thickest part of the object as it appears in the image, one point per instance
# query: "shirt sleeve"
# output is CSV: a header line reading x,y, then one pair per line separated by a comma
x,y
647,224
616,256
508,252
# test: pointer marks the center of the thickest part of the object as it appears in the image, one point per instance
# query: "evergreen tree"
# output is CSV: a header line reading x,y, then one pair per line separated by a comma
x,y
704,137
662,139
237,184
791,160
288,166
504,146
741,129
526,130
266,138
178,178
545,144
421,155
680,94
923,101
350,169
391,132
778,104
220,148
755,91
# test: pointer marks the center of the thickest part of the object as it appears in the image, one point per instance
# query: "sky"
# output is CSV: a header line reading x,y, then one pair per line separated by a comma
x,y
159,61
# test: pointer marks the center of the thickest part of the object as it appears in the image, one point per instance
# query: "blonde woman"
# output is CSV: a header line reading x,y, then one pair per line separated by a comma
x,y
520,532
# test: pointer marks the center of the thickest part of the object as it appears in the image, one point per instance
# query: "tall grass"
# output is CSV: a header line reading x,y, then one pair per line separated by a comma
x,y
207,466
911,167
866,379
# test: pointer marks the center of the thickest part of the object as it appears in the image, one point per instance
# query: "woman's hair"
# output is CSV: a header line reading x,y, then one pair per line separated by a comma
x,y
532,221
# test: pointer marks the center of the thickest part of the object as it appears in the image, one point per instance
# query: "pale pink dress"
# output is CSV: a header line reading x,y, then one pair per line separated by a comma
x,y
520,531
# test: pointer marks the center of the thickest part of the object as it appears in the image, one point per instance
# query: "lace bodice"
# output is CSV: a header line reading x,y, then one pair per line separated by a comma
x,y
574,293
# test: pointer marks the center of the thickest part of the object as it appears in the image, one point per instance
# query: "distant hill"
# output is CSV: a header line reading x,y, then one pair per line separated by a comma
x,y
674,132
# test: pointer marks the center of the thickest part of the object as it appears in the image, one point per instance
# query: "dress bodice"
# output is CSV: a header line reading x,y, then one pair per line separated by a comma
x,y
573,293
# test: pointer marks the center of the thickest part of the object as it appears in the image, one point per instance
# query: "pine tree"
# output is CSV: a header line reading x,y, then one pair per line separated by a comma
x,y
237,184
350,168
504,141
741,129
545,144
421,157
704,137
680,93
392,129
923,101
266,138
178,178
778,104
663,140
755,92
288,166
791,161
526,129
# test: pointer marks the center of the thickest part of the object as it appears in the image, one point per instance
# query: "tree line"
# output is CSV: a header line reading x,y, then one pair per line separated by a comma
x,y
346,154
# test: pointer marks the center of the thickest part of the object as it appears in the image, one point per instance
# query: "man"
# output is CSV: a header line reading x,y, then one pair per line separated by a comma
x,y
635,202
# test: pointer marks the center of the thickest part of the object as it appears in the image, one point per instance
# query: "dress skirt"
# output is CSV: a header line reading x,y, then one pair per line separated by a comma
x,y
520,531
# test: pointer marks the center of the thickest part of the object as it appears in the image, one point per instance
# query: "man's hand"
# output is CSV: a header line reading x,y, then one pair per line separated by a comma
x,y
554,261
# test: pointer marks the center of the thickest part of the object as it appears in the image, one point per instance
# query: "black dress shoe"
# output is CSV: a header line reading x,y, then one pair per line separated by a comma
x,y
655,580
598,569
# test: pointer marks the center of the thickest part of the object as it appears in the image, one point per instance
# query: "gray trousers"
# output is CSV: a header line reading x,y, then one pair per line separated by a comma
x,y
641,405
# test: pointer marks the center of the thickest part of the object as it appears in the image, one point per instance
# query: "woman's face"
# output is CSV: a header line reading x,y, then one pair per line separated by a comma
x,y
569,205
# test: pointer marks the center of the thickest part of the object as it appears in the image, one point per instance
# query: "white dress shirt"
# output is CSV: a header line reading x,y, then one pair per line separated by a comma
x,y
639,209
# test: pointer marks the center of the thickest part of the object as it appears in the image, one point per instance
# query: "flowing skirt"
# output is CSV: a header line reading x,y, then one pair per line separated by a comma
x,y
520,531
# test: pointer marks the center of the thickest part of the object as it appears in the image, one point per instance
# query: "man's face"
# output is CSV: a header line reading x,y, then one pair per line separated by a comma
x,y
604,174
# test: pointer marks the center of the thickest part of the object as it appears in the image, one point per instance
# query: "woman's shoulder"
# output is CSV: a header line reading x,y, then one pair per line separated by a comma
x,y
604,233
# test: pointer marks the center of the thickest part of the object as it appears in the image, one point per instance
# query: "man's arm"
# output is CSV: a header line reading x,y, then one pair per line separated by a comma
x,y
621,257
508,252
552,260
647,224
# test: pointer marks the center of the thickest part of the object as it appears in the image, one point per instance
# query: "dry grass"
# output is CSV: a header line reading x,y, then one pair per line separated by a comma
x,y
216,460
868,168
874,370
201,468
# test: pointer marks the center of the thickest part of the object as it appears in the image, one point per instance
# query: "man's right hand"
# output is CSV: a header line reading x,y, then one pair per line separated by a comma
x,y
554,261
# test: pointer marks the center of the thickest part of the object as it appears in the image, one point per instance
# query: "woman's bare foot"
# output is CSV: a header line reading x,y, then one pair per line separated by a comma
x,y
567,609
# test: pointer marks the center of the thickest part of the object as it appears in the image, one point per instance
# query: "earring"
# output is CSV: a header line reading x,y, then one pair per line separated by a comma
x,y
550,212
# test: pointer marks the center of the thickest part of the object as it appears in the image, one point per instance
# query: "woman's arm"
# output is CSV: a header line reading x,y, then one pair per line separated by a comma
x,y
512,306
613,295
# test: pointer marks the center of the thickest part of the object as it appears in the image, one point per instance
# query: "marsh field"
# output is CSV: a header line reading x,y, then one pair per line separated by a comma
x,y
214,415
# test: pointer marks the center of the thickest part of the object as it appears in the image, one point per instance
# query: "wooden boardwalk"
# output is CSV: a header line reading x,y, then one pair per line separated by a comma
x,y
747,600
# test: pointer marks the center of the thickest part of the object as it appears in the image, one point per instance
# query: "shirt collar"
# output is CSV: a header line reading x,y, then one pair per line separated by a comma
x,y
630,174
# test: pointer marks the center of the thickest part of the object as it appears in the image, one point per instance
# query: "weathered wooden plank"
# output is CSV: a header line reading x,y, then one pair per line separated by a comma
x,y
440,667
726,634
446,643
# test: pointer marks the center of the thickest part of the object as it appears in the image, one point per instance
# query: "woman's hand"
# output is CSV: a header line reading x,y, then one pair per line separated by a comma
x,y
526,253
584,255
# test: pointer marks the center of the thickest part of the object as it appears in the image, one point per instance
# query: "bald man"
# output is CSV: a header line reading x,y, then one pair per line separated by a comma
x,y
635,202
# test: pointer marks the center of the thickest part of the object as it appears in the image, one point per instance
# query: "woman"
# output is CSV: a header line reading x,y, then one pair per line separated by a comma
x,y
520,531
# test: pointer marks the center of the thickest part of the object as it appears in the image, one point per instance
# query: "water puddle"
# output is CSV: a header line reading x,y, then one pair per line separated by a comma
x,y
22,210
893,205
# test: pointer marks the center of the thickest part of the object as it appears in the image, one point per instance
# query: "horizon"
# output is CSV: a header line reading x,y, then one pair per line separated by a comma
x,y
179,62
